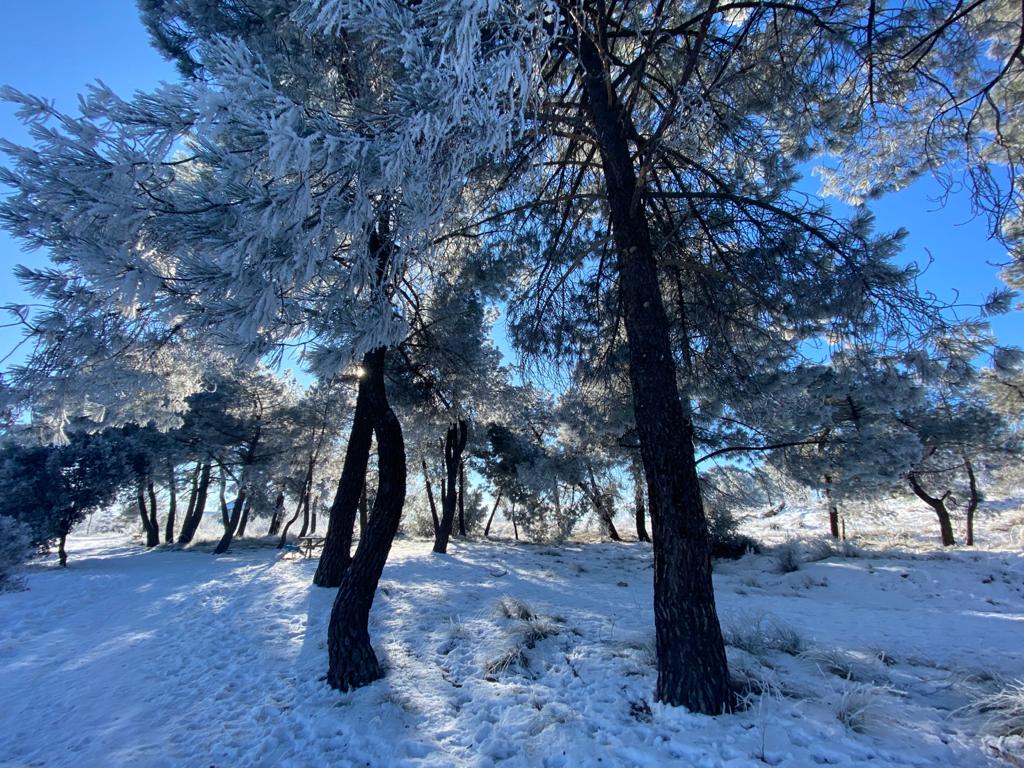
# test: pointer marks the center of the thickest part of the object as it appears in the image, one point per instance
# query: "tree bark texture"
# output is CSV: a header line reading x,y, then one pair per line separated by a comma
x,y
692,669
352,662
337,552
454,444
197,505
937,503
639,510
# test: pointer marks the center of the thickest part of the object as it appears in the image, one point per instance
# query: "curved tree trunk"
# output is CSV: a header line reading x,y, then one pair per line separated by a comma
x,y
692,668
430,498
154,526
232,525
351,660
937,503
454,444
337,551
152,534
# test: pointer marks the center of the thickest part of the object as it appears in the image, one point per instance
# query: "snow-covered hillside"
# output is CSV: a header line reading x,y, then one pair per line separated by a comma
x,y
524,655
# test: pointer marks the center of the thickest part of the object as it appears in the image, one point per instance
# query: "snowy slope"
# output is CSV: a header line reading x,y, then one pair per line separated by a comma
x,y
522,655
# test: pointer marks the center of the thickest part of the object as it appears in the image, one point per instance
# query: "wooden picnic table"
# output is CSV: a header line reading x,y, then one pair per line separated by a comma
x,y
308,544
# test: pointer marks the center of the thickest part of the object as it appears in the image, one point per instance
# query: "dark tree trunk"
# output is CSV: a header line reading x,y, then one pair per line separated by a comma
x,y
275,518
152,534
62,553
304,530
352,662
937,503
197,506
833,509
306,490
337,552
430,498
462,499
512,515
454,444
232,526
225,516
154,526
172,507
972,502
312,518
364,512
692,668
487,528
598,500
245,518
639,510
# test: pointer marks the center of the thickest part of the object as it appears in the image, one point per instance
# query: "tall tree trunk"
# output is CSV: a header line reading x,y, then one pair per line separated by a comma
x,y
487,528
454,444
304,530
172,506
154,526
833,509
275,518
245,518
62,553
639,512
515,528
972,502
197,506
462,499
692,668
337,551
225,515
937,503
152,534
291,521
352,662
430,498
232,526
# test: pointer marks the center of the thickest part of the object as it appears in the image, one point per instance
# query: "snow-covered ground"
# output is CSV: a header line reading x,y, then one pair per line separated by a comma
x,y
524,655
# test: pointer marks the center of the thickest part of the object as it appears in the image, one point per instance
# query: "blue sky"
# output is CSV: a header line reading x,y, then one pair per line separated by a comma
x,y
54,48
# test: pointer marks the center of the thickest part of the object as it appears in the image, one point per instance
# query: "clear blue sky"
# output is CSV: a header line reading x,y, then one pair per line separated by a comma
x,y
53,48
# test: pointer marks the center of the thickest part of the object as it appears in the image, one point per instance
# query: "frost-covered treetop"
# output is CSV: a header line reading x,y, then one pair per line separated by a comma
x,y
243,203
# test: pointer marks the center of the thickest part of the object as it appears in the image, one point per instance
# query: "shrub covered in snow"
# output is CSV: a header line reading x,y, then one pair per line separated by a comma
x,y
1003,710
726,540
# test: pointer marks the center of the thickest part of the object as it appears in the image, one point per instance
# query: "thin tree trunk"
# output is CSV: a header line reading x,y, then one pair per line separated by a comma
x,y
939,505
352,661
454,444
304,530
972,502
600,507
229,530
245,518
337,551
154,526
692,668
152,535
833,509
487,528
515,528
275,518
462,499
225,516
430,498
639,511
298,510
62,553
197,507
172,507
